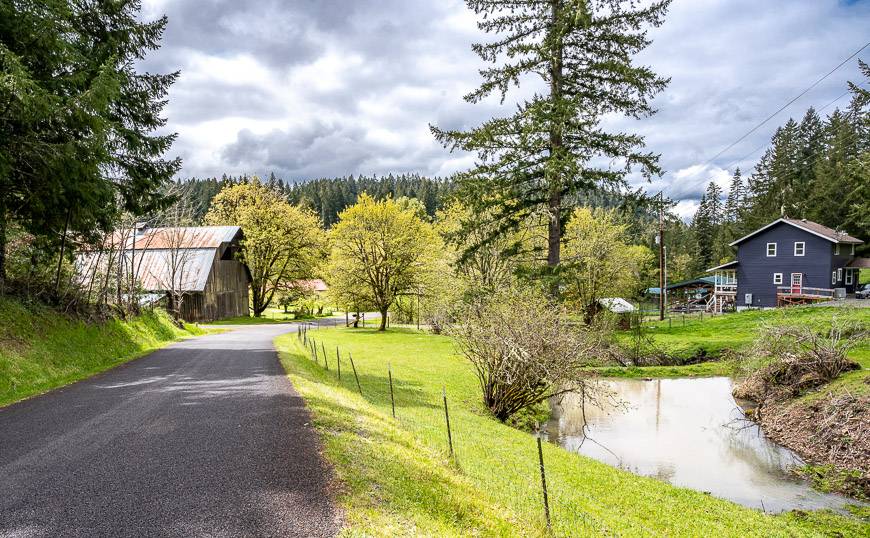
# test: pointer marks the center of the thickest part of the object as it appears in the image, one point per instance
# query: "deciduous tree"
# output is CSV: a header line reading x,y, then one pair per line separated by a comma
x,y
281,242
599,260
380,251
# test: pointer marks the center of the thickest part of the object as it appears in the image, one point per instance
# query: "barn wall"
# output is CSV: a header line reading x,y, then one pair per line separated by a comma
x,y
225,294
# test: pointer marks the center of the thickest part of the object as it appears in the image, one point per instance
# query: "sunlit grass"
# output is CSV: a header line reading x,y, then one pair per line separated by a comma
x,y
397,478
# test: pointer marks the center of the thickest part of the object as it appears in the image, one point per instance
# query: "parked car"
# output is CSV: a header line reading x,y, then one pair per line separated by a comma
x,y
862,291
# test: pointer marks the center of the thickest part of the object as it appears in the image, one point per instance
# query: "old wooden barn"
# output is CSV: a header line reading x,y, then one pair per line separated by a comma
x,y
197,264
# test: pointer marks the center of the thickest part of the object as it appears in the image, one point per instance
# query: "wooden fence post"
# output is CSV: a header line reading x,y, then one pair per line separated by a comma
x,y
543,478
447,418
355,376
392,397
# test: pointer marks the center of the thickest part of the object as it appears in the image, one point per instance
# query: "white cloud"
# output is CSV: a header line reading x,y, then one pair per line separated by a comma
x,y
328,88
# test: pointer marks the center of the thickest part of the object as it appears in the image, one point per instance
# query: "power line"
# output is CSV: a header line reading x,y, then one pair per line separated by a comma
x,y
813,85
753,152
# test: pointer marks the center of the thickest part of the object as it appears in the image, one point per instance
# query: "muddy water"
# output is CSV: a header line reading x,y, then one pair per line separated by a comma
x,y
688,432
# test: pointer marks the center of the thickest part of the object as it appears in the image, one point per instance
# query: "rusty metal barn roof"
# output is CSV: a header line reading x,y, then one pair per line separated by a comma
x,y
183,237
158,269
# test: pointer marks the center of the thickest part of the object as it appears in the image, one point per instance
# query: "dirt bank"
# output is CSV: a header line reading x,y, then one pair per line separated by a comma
x,y
831,432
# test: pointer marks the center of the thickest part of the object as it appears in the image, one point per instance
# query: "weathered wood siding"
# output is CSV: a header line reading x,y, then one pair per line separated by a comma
x,y
225,294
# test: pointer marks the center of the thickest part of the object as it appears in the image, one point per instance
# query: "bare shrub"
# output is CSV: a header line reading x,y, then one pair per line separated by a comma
x,y
788,359
523,350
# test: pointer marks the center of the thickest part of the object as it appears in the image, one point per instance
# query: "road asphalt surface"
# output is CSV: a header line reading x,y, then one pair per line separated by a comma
x,y
206,437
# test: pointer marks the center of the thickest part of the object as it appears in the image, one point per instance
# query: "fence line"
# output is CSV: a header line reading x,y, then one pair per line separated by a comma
x,y
543,491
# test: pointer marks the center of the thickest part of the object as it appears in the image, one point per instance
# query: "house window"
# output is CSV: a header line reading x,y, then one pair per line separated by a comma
x,y
849,274
833,277
771,250
837,249
777,278
799,247
852,252
839,274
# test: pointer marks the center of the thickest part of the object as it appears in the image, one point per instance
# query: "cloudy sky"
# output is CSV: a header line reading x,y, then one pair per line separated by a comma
x,y
322,88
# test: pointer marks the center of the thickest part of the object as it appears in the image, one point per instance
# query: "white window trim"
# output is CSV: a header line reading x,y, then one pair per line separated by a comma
x,y
833,277
803,248
836,249
777,278
840,274
769,255
849,273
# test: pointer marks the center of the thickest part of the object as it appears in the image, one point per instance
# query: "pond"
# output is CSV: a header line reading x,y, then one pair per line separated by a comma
x,y
691,433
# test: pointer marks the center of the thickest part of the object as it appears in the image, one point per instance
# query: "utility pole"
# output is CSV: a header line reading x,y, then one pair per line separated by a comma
x,y
661,258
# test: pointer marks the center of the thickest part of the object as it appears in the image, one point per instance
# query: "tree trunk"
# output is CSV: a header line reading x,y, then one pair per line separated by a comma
x,y
554,231
384,312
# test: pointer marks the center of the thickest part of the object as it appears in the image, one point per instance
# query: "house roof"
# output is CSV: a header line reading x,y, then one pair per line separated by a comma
x,y
617,305
700,281
861,263
314,284
814,228
729,265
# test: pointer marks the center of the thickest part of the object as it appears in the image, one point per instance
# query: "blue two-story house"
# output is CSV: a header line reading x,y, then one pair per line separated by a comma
x,y
789,261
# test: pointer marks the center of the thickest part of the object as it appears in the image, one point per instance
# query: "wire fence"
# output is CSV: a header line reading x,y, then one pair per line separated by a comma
x,y
524,475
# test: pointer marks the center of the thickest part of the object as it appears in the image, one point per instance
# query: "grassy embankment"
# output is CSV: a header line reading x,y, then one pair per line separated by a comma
x,y
396,477
41,349
713,336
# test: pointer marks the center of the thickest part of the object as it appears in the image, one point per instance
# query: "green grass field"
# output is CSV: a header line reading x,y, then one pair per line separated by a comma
x,y
396,477
712,336
41,349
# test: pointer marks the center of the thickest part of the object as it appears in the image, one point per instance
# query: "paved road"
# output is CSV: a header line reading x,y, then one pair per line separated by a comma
x,y
203,438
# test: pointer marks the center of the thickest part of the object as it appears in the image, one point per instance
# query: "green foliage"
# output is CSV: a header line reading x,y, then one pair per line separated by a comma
x,y
380,252
76,118
396,478
545,153
41,349
598,260
281,243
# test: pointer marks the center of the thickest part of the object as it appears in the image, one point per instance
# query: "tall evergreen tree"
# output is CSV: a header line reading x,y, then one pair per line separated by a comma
x,y
736,198
76,119
548,149
703,230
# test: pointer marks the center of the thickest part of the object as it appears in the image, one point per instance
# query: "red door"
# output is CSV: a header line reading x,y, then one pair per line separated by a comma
x,y
797,280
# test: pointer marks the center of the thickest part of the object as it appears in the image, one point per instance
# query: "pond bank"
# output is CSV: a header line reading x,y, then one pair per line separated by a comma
x,y
832,433
690,433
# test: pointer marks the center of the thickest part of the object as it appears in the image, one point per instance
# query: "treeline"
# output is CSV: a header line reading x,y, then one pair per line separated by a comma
x,y
816,169
329,196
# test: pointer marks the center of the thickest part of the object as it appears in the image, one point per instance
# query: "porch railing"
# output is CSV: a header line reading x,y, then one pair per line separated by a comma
x,y
804,291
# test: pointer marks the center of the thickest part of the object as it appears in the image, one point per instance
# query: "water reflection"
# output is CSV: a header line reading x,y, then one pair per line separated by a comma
x,y
691,433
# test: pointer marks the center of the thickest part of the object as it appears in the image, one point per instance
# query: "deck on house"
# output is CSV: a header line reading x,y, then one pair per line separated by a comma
x,y
787,295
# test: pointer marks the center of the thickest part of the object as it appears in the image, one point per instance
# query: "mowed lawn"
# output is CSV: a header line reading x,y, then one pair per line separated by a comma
x,y
396,477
